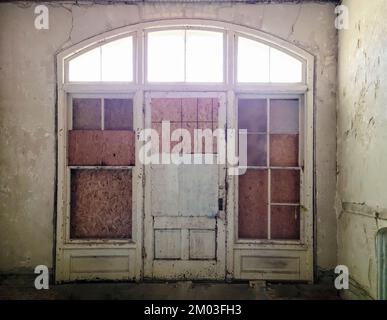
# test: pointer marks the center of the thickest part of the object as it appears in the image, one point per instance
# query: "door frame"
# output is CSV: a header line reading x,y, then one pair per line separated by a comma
x,y
75,258
296,256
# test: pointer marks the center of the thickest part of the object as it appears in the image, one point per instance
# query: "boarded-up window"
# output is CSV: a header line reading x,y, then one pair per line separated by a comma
x,y
101,204
102,133
101,200
269,192
253,204
190,114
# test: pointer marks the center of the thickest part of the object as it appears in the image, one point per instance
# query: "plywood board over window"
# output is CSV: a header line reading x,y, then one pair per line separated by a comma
x,y
189,114
101,204
90,145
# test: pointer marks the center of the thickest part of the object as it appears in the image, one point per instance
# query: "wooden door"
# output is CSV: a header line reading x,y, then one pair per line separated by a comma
x,y
184,229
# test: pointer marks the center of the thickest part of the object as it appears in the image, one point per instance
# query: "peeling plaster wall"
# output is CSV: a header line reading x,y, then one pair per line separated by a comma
x,y
27,104
362,136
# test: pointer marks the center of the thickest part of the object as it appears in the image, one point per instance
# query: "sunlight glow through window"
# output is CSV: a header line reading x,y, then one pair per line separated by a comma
x,y
110,62
204,56
86,67
259,63
166,56
185,56
117,60
284,68
253,61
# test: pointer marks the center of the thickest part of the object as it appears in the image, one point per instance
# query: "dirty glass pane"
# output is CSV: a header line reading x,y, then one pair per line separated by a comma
x,y
252,115
284,116
86,114
256,150
118,114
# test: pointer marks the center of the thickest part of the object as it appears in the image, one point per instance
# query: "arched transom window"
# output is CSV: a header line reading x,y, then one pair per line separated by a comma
x,y
186,55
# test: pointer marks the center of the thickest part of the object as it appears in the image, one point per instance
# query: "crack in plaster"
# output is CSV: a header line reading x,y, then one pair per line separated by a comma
x,y
69,38
295,22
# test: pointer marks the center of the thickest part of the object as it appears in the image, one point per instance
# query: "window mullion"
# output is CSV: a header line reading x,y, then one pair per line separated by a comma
x,y
100,63
185,55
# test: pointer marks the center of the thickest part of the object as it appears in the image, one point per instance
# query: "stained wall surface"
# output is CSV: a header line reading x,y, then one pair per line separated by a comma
x,y
28,106
362,136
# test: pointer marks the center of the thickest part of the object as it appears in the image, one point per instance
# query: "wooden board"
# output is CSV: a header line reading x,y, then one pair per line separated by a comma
x,y
285,186
99,148
284,150
101,204
188,114
252,205
285,222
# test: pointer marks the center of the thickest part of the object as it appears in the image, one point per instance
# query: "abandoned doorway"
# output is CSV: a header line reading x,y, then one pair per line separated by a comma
x,y
121,219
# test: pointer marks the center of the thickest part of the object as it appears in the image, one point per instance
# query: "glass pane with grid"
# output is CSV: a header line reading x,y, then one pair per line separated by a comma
x,y
269,192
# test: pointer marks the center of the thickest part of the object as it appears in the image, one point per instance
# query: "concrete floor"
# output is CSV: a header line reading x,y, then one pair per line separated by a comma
x,y
22,287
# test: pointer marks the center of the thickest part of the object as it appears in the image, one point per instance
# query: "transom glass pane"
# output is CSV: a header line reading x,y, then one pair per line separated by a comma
x,y
259,63
185,56
166,56
110,62
253,61
86,67
284,68
204,56
117,60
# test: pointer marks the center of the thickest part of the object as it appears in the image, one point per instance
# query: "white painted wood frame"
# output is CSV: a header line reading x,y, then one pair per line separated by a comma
x,y
117,260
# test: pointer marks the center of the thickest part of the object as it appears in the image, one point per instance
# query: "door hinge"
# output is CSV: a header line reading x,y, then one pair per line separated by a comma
x,y
143,253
